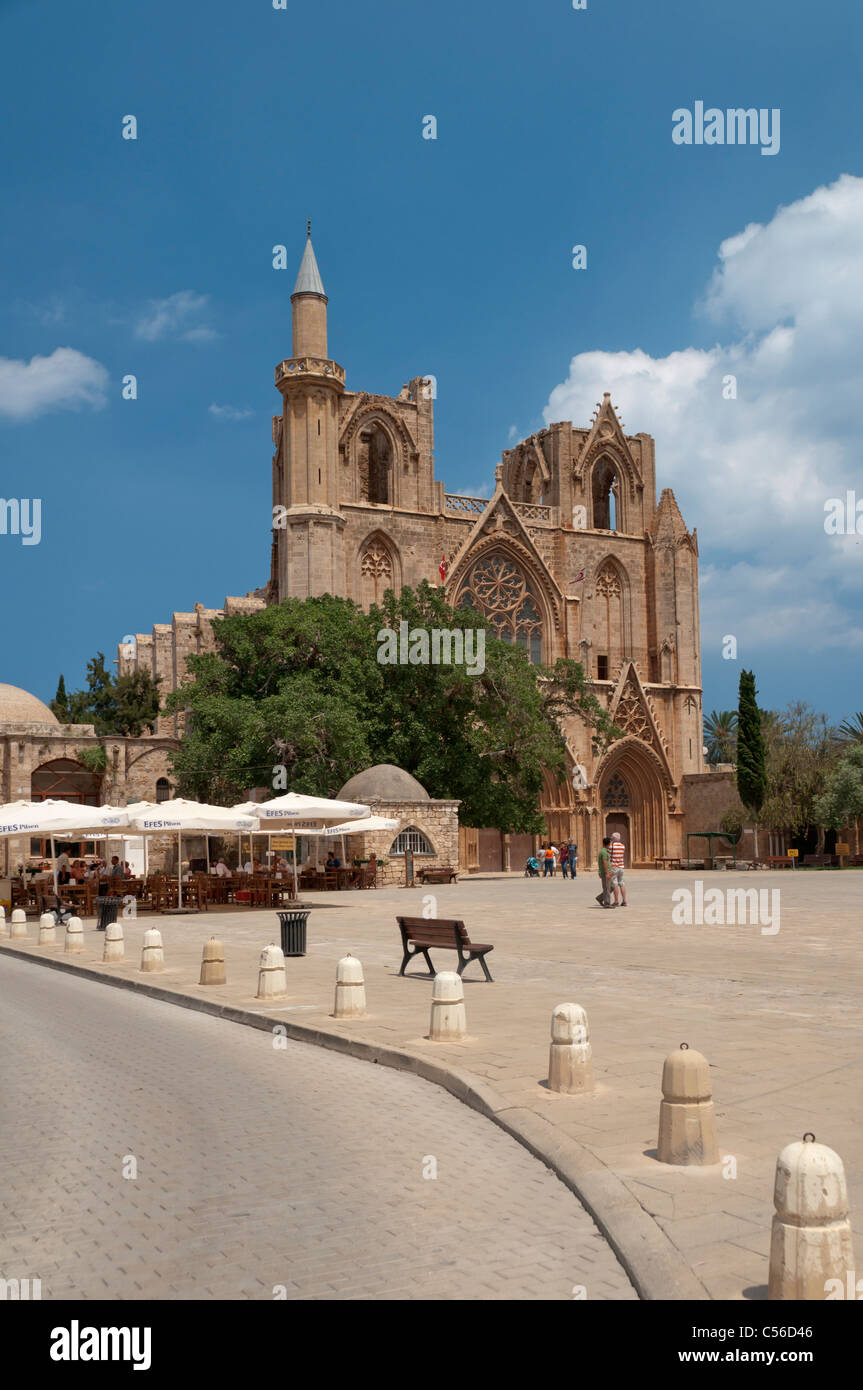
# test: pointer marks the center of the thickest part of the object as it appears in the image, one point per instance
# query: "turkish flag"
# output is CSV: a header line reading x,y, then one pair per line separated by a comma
x,y
442,568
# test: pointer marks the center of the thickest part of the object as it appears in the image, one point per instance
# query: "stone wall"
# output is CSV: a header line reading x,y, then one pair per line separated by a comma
x,y
438,821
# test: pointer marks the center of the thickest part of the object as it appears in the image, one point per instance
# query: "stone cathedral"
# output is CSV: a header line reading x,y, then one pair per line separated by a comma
x,y
573,555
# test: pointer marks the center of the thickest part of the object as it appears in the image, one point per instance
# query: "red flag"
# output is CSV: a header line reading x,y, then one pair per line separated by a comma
x,y
442,568
579,577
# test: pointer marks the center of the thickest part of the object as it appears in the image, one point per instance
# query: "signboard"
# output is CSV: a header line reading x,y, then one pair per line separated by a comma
x,y
6,894
843,849
793,853
282,842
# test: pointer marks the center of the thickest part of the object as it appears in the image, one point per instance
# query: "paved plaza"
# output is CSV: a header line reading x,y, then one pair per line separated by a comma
x,y
777,1015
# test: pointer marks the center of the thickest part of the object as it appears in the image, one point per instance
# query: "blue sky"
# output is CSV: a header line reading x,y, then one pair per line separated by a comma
x,y
450,257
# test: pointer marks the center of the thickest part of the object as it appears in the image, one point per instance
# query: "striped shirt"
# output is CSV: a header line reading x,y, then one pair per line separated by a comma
x,y
617,854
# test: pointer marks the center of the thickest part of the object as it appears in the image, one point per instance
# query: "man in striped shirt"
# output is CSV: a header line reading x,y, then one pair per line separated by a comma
x,y
617,856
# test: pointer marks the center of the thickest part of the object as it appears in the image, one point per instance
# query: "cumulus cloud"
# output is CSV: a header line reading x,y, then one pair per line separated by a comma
x,y
67,380
229,412
754,472
175,317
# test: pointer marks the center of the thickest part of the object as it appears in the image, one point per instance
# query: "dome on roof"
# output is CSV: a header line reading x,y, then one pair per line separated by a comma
x,y
384,782
20,707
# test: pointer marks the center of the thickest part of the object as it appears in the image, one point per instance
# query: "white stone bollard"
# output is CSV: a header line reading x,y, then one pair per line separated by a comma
x,y
47,929
687,1129
213,964
74,936
18,928
4,929
115,946
272,976
152,955
570,1059
350,989
811,1238
448,1021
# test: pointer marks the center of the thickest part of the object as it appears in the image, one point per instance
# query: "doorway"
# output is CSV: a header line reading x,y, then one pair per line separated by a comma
x,y
619,821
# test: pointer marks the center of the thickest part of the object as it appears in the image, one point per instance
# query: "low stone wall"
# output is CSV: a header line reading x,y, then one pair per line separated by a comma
x,y
438,821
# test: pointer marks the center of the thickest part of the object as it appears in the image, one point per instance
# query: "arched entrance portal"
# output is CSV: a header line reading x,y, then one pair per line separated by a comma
x,y
632,801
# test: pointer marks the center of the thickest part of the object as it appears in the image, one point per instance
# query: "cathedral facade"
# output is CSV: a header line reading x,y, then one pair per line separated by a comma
x,y
573,555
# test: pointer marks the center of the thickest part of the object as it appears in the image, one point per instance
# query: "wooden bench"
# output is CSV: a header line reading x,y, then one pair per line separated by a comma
x,y
421,934
664,861
820,861
779,861
440,873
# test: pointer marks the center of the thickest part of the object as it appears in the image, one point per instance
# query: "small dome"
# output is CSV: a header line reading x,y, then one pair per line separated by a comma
x,y
384,782
20,707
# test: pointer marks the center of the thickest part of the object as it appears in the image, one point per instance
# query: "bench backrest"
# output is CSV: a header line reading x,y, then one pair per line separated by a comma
x,y
432,929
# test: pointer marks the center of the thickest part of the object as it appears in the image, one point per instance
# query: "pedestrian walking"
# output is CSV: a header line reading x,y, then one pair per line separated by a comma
x,y
548,862
618,853
604,870
572,857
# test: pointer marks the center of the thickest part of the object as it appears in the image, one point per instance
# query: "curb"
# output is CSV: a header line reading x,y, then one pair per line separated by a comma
x,y
653,1263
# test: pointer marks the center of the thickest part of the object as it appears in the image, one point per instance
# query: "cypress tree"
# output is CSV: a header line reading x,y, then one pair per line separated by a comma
x,y
751,756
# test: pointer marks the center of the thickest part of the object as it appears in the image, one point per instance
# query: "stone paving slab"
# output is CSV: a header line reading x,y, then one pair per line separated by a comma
x,y
777,1015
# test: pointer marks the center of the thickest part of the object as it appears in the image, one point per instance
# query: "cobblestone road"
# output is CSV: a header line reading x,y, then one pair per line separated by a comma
x,y
256,1167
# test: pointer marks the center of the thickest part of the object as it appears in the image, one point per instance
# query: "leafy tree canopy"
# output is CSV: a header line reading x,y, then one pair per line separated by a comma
x,y
299,684
125,706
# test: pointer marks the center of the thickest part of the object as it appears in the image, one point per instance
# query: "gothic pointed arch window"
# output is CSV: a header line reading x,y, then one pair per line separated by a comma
x,y
497,588
606,493
375,461
377,570
611,603
616,794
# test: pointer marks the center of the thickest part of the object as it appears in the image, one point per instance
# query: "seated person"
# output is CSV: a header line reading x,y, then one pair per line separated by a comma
x,y
332,861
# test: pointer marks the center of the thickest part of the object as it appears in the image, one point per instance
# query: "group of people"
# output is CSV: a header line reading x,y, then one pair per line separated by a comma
x,y
550,857
610,864
79,870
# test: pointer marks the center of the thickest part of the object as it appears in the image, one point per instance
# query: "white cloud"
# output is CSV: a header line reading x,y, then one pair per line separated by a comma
x,y
229,412
67,380
753,473
175,317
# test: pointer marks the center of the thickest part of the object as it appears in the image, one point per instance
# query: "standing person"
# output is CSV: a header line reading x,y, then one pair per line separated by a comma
x,y
548,862
617,857
604,870
572,857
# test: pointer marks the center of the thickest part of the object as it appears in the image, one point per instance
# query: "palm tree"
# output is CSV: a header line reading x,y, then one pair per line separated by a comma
x,y
851,730
720,731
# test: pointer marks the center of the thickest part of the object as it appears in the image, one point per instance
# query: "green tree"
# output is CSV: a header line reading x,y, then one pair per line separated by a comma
x,y
851,730
122,707
799,755
300,685
751,769
720,731
842,801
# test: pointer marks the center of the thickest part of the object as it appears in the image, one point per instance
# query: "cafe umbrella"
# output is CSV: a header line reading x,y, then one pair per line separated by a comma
x,y
56,818
190,817
294,811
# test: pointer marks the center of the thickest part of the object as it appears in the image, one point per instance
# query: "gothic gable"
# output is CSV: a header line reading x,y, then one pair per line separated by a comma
x,y
606,437
633,710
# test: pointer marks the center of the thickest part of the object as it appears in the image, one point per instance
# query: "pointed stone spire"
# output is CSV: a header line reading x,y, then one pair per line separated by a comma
x,y
309,278
667,521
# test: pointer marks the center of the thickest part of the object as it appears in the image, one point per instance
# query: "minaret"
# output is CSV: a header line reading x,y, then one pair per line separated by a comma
x,y
308,551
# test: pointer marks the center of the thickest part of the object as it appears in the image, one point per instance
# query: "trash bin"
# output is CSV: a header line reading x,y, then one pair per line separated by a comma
x,y
293,925
108,909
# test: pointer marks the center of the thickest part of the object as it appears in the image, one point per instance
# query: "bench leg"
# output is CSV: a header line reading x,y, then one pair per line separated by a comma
x,y
481,960
408,956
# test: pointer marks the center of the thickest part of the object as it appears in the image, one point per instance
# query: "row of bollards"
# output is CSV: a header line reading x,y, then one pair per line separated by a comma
x,y
811,1240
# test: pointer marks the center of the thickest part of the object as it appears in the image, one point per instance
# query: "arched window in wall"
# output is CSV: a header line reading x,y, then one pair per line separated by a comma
x,y
606,497
375,465
611,637
163,789
616,796
497,588
377,571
